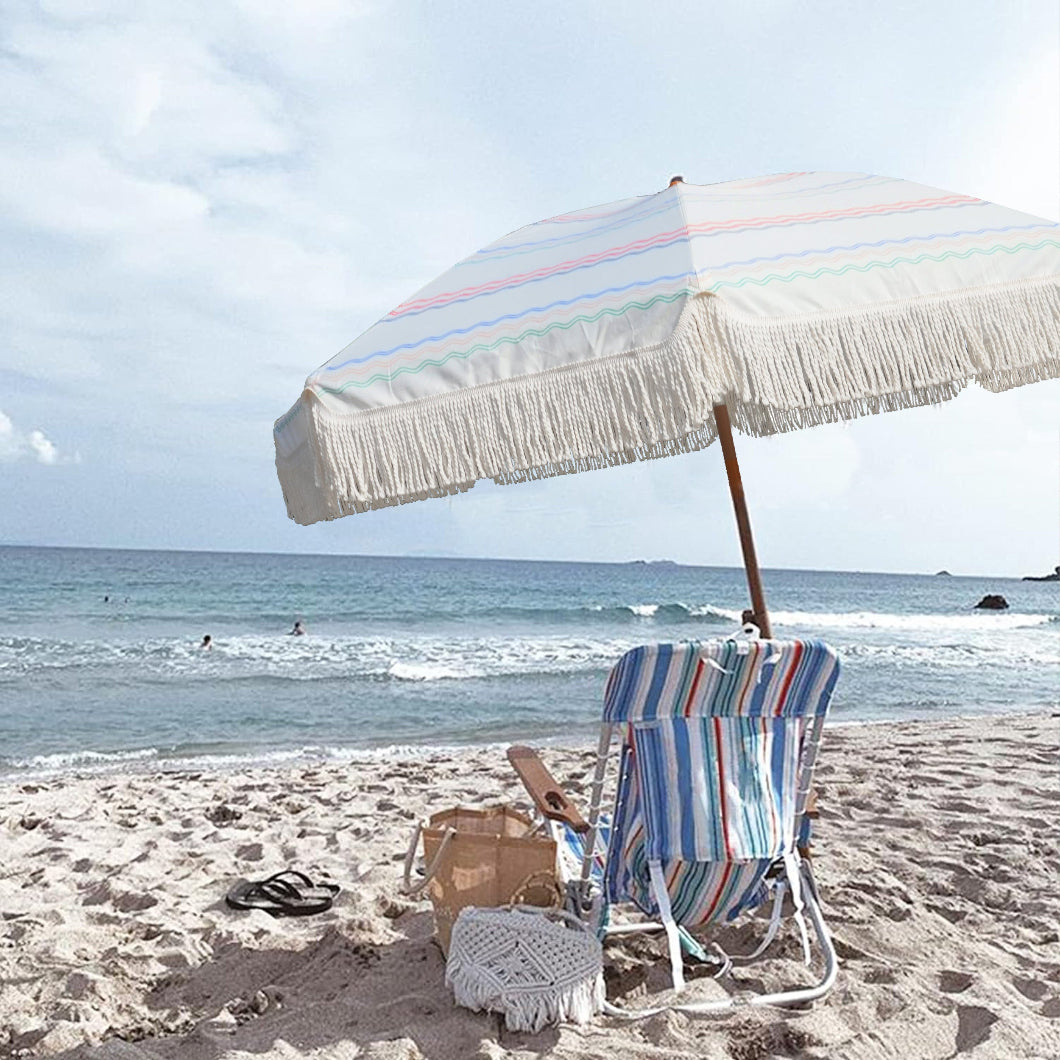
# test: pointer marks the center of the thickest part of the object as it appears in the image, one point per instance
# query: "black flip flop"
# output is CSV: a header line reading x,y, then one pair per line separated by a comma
x,y
303,884
288,893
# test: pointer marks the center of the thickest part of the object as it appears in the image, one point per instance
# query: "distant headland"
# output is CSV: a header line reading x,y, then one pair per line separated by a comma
x,y
1054,577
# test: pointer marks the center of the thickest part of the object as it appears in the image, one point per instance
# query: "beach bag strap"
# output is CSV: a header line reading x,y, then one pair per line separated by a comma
x,y
541,880
415,889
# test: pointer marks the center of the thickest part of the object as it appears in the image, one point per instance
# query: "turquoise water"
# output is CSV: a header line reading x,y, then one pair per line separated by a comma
x,y
409,651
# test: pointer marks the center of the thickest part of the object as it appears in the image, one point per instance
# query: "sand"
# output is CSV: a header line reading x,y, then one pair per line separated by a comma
x,y
936,857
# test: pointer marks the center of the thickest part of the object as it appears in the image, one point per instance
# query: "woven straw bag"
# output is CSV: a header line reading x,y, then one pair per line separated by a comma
x,y
536,966
481,856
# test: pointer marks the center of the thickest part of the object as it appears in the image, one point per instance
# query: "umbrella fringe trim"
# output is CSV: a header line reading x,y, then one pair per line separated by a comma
x,y
653,402
641,405
795,373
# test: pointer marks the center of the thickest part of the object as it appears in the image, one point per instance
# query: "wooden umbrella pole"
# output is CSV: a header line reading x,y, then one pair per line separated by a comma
x,y
760,616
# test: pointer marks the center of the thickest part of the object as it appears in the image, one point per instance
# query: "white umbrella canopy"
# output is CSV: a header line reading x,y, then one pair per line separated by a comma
x,y
637,329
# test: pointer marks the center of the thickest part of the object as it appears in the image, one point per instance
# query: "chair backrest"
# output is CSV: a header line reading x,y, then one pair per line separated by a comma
x,y
722,678
714,755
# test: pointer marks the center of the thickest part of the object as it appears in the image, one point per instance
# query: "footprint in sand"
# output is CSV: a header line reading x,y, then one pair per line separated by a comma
x,y
954,982
973,1026
1031,989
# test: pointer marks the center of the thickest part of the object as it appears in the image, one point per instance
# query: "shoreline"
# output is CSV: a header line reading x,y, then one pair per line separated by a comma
x,y
125,763
935,855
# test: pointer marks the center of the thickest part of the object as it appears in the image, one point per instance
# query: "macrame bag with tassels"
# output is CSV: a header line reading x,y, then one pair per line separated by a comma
x,y
536,966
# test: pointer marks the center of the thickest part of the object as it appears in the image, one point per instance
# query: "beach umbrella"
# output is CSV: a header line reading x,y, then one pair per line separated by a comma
x,y
654,325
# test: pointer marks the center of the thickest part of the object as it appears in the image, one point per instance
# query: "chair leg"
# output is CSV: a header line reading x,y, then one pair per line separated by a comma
x,y
801,996
824,939
673,937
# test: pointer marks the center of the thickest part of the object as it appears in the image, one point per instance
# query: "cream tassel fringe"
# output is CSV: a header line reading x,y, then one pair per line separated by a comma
x,y
775,375
537,966
524,1011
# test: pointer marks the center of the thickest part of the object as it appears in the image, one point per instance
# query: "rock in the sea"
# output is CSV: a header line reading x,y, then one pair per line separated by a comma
x,y
943,574
993,602
1054,577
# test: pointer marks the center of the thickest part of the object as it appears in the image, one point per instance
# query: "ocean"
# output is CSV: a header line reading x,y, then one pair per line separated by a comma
x,y
101,669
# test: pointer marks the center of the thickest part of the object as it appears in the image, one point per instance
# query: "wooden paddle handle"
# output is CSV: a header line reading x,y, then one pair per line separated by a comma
x,y
548,796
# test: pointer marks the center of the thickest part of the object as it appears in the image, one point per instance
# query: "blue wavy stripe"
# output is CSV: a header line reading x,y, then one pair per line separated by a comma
x,y
392,372
849,247
506,318
463,299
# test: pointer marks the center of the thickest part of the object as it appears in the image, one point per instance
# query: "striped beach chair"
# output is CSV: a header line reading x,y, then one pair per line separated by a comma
x,y
718,742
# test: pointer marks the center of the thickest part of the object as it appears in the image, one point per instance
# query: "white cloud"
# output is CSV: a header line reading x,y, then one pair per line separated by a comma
x,y
34,445
42,448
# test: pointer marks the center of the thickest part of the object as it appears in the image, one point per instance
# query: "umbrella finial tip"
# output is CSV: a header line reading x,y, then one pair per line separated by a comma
x,y
676,179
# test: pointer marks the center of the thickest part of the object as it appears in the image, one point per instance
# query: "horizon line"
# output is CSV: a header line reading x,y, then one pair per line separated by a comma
x,y
663,562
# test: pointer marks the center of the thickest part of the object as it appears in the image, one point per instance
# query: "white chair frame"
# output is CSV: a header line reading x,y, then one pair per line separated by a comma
x,y
798,879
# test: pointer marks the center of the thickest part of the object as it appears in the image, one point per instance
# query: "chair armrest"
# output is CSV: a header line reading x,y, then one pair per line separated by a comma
x,y
541,786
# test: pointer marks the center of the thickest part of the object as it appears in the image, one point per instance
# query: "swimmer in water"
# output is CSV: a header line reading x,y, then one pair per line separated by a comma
x,y
298,631
207,643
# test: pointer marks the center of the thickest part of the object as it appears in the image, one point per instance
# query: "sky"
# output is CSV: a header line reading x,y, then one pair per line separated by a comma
x,y
202,202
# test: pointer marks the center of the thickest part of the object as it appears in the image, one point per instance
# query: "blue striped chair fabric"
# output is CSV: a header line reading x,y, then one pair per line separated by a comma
x,y
709,771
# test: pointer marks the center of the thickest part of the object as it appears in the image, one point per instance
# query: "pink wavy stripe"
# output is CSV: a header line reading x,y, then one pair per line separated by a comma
x,y
613,253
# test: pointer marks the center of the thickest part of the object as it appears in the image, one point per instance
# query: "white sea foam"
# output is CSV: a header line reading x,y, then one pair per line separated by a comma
x,y
980,620
438,660
423,657
409,657
927,656
678,611
402,670
709,611
152,760
82,760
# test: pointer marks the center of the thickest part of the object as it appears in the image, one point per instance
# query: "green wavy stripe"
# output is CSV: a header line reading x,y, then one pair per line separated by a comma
x,y
920,258
509,339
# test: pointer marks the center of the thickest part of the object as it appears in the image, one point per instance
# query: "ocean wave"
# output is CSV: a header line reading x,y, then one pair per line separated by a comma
x,y
314,658
67,761
643,610
423,612
673,612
